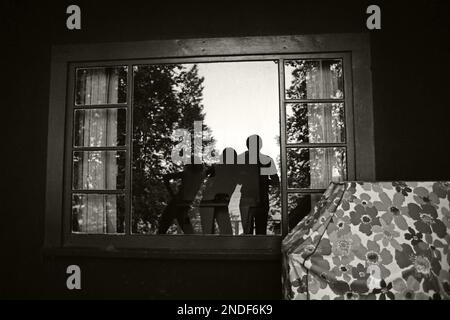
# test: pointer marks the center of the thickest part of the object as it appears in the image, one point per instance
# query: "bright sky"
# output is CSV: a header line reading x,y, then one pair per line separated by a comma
x,y
241,99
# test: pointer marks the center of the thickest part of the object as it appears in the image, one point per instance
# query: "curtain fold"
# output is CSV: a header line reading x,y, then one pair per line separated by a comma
x,y
99,169
322,83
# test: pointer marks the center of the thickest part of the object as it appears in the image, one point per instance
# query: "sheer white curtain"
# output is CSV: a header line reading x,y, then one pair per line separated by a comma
x,y
99,168
325,163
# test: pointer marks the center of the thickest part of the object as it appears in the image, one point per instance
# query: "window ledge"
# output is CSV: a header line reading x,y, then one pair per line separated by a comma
x,y
191,254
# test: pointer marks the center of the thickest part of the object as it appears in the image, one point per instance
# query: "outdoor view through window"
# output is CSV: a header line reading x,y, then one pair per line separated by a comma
x,y
223,107
196,149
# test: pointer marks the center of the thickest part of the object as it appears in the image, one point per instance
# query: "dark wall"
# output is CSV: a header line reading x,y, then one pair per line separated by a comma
x,y
410,69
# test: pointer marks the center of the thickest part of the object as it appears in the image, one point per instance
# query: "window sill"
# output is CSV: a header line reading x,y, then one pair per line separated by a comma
x,y
200,254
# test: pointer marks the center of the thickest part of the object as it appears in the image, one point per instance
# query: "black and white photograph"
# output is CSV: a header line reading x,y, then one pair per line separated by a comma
x,y
225,150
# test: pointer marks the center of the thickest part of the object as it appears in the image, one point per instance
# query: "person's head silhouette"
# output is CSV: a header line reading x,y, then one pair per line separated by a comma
x,y
229,156
254,141
254,145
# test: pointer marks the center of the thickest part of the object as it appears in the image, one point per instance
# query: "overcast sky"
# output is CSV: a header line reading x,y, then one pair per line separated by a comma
x,y
241,99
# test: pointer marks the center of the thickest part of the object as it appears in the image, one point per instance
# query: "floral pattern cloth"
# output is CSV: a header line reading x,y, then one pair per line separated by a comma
x,y
377,240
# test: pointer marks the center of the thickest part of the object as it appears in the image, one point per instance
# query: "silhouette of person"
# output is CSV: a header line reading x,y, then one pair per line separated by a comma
x,y
255,216
219,191
178,206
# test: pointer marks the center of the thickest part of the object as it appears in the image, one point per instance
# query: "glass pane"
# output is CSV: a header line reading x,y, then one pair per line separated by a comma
x,y
206,112
300,205
101,86
98,213
315,168
98,170
99,127
315,122
314,79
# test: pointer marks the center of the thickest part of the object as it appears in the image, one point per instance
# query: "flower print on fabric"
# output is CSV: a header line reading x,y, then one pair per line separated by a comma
x,y
392,210
364,218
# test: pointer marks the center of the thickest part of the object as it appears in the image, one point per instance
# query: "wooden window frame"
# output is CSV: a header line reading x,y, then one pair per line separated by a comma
x,y
353,49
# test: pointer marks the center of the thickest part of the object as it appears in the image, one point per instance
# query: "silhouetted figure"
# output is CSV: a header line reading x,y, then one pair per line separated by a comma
x,y
257,213
179,204
217,195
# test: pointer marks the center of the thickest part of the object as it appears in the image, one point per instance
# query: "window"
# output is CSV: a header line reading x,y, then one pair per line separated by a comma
x,y
99,151
319,145
210,147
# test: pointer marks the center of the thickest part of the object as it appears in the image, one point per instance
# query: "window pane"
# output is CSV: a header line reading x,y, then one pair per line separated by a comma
x,y
315,168
314,79
101,86
98,170
299,205
315,122
99,127
98,213
230,101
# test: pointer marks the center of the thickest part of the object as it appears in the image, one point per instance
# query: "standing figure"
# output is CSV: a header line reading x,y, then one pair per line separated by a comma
x,y
255,215
180,203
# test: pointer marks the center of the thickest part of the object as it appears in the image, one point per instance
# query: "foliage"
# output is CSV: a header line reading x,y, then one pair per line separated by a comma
x,y
166,97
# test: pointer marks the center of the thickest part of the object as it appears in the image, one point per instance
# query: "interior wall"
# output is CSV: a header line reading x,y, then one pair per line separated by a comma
x,y
410,73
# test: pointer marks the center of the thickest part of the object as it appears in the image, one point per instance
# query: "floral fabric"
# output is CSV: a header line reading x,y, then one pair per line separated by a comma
x,y
378,240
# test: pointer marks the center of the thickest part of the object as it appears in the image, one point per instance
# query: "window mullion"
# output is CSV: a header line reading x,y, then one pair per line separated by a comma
x,y
129,141
284,204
